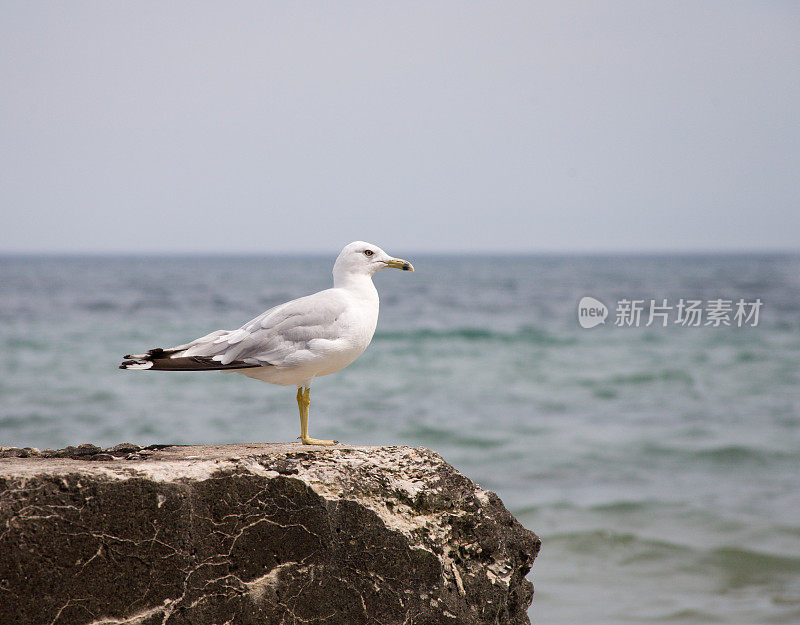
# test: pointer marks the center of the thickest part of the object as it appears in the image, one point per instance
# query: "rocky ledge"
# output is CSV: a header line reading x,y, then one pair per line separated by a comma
x,y
241,534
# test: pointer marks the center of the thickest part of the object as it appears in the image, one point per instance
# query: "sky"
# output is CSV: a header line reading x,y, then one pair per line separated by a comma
x,y
275,127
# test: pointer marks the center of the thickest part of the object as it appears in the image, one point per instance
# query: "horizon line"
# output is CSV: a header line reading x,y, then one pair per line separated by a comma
x,y
456,252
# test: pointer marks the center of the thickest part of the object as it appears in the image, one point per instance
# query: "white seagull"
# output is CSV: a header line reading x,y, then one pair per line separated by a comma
x,y
293,343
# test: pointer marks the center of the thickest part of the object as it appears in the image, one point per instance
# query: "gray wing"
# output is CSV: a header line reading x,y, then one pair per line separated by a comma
x,y
279,336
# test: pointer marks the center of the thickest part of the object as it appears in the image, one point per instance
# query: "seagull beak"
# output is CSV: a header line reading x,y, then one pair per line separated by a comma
x,y
399,263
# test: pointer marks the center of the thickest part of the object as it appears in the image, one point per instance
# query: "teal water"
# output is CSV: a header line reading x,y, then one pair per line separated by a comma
x,y
660,466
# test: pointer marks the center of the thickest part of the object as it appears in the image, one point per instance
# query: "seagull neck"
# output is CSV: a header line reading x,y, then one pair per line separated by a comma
x,y
359,284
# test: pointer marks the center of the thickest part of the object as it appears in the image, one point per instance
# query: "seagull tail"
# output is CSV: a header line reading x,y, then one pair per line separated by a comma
x,y
160,359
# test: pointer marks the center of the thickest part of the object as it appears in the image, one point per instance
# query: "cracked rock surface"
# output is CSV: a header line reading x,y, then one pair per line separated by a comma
x,y
246,534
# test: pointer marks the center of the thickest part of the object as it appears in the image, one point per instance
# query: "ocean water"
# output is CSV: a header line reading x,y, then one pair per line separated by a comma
x,y
659,465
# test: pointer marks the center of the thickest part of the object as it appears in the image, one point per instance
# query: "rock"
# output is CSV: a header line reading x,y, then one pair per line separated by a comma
x,y
19,452
13,452
101,457
252,534
123,449
82,451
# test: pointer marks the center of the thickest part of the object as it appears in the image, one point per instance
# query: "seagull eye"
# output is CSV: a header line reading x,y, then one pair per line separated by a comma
x,y
368,252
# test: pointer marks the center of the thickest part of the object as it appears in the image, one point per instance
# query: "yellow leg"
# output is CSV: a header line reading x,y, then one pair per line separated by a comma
x,y
303,402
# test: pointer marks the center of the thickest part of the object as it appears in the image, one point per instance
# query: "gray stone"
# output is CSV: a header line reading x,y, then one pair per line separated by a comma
x,y
123,449
13,452
19,452
247,534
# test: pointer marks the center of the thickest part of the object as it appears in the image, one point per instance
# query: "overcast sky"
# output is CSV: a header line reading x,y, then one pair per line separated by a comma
x,y
430,126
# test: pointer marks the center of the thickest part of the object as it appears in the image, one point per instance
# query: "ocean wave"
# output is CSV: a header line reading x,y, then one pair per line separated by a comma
x,y
667,375
598,541
526,334
726,455
635,379
450,436
624,506
733,566
12,421
737,454
99,306
687,615
740,567
22,343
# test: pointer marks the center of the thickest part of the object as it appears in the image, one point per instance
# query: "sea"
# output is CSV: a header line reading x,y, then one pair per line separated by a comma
x,y
656,453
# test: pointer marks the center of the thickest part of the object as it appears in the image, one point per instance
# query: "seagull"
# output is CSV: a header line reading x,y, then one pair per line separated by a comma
x,y
293,343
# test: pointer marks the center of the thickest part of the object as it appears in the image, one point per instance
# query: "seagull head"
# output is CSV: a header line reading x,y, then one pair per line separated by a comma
x,y
362,258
